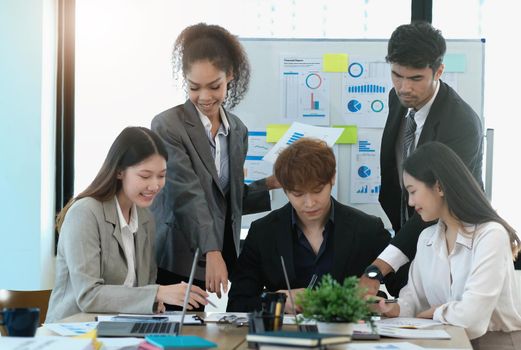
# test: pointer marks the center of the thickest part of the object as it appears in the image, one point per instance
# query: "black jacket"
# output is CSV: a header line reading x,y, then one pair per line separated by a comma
x,y
450,121
358,239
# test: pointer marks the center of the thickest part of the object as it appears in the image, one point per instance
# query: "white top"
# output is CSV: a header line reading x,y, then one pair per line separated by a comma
x,y
127,235
474,287
223,130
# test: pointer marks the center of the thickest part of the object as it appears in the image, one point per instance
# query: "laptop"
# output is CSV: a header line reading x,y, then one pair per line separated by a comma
x,y
151,326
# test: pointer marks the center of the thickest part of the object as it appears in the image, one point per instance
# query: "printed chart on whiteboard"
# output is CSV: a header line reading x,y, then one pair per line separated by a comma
x,y
305,90
255,167
365,90
365,169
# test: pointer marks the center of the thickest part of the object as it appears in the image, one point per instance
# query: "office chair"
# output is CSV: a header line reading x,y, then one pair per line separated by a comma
x,y
26,298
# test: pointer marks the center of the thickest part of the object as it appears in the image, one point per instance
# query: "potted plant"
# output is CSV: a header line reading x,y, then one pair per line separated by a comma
x,y
335,307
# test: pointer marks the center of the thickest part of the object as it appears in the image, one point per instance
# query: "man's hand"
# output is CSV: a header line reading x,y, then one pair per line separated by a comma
x,y
373,284
370,284
388,310
216,273
272,183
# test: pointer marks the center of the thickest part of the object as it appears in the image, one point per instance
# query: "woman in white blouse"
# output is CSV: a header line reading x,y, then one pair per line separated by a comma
x,y
105,260
463,272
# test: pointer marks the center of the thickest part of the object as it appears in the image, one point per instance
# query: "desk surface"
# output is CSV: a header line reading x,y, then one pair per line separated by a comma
x,y
231,337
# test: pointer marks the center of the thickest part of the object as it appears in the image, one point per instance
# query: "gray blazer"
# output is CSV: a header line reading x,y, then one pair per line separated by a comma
x,y
190,212
91,265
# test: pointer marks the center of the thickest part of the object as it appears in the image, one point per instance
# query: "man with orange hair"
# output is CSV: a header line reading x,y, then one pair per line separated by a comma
x,y
314,233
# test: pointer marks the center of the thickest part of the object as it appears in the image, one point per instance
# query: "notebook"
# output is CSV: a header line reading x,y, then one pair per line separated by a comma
x,y
140,329
184,342
297,338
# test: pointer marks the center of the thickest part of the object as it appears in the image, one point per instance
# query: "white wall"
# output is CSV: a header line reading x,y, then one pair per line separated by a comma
x,y
27,95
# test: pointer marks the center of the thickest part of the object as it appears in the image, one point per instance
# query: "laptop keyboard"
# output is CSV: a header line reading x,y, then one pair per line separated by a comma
x,y
152,327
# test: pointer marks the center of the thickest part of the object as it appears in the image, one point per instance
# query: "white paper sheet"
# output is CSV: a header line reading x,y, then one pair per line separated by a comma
x,y
44,343
120,343
71,329
299,130
396,332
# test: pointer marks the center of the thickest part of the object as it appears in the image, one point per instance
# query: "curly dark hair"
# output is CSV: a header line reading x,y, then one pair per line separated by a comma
x,y
416,45
217,45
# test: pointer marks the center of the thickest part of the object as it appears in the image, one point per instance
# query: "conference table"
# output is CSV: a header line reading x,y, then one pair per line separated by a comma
x,y
230,337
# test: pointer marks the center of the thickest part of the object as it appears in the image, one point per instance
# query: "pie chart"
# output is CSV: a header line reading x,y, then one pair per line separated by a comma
x,y
354,106
364,171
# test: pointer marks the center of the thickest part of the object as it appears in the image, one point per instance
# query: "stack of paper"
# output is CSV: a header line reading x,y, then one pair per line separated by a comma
x,y
407,328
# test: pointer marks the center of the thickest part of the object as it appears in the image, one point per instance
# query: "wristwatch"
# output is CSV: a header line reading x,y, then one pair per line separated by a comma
x,y
374,273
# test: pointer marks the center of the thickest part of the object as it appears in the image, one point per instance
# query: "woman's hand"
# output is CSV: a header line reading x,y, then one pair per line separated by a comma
x,y
160,307
427,313
174,294
216,273
379,305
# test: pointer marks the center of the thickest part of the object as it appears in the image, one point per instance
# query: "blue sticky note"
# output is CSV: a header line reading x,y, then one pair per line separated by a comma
x,y
455,63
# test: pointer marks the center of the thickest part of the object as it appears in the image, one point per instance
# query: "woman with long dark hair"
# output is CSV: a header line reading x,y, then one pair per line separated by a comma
x,y
105,260
463,272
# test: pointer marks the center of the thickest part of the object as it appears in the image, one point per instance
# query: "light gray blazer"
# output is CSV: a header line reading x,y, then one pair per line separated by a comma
x,y
190,211
91,266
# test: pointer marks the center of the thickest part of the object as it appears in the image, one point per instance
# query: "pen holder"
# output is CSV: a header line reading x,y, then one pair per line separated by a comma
x,y
262,322
269,302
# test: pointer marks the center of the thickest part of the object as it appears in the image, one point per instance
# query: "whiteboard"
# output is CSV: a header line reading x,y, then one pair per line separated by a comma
x,y
264,101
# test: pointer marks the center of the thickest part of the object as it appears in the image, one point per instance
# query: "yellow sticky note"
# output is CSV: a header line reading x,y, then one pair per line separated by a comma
x,y
274,132
335,62
350,134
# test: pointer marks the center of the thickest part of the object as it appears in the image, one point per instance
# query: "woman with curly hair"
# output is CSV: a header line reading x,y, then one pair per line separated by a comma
x,y
205,195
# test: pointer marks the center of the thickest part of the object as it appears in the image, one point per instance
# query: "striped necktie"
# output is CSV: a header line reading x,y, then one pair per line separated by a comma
x,y
409,135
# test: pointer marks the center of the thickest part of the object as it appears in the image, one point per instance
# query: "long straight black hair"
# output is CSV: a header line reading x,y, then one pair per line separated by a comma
x,y
434,163
132,146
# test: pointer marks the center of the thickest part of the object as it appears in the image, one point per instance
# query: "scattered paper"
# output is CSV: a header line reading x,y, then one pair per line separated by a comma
x,y
71,329
219,316
44,343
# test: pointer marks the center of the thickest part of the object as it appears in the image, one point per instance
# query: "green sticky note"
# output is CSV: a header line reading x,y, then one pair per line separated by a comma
x,y
350,134
455,63
274,132
335,62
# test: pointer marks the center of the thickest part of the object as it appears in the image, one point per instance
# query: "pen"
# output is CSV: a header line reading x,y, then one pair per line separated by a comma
x,y
387,301
278,310
210,302
312,281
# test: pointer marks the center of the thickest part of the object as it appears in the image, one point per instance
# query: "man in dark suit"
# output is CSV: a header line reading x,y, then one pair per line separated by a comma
x,y
313,232
422,108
